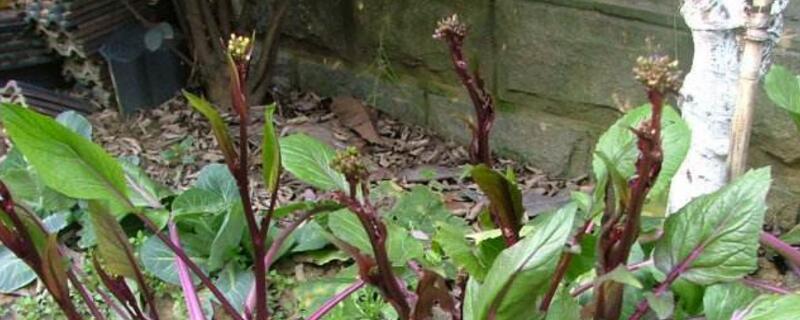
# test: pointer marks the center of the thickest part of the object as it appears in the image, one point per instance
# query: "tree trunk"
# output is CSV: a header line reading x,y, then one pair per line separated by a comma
x,y
710,90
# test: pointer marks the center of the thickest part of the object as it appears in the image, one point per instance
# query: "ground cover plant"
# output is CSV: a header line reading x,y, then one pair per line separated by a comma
x,y
609,254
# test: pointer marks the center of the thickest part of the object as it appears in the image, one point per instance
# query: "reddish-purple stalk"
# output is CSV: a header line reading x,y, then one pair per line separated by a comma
x,y
204,279
273,251
563,265
765,286
784,249
103,295
673,275
257,237
385,280
19,241
335,300
620,231
87,298
453,32
189,291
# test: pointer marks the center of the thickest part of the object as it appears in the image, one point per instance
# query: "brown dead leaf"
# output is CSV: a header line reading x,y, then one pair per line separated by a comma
x,y
352,113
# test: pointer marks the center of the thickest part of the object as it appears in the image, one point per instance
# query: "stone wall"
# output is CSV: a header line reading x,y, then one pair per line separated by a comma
x,y
559,69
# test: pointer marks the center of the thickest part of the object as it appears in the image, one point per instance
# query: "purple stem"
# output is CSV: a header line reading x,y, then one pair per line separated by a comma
x,y
335,300
85,295
272,252
784,249
673,275
763,285
189,292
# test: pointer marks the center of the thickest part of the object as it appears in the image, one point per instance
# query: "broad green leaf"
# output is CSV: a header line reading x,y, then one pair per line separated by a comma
x,y
723,226
113,245
771,307
455,245
14,273
309,237
270,152
65,160
564,307
197,201
159,260
504,195
663,305
619,144
218,126
422,209
143,191
312,294
400,246
523,271
621,274
346,226
783,88
235,282
721,300
309,161
793,236
689,296
76,122
226,242
218,179
26,186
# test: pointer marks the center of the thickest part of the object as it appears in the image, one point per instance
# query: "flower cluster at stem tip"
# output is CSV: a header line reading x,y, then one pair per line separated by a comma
x,y
450,26
659,73
348,162
239,47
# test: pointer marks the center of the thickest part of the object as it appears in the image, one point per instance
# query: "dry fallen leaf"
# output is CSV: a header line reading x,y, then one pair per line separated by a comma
x,y
352,113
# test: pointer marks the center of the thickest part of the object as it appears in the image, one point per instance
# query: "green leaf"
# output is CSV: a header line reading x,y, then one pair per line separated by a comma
x,y
235,282
76,122
159,260
689,296
456,246
422,209
724,226
771,307
197,201
663,305
618,143
144,192
312,294
721,300
226,242
793,236
14,273
26,187
112,243
621,274
346,226
523,271
564,307
218,126
309,237
309,161
270,152
503,194
218,179
783,88
400,246
65,160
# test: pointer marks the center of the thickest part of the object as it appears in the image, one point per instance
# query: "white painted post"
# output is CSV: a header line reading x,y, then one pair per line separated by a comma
x,y
710,90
